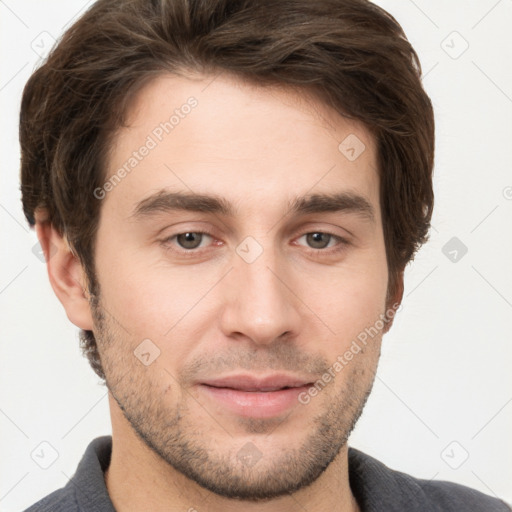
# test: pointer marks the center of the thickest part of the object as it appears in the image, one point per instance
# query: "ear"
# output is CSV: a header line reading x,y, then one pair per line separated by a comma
x,y
66,274
393,302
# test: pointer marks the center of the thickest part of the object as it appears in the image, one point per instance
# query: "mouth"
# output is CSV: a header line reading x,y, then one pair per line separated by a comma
x,y
249,396
251,383
254,390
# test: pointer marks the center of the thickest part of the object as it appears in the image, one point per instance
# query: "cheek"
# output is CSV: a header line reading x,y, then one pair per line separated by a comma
x,y
351,297
352,306
152,299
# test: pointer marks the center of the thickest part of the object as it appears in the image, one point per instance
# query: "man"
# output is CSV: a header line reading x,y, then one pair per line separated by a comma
x,y
230,192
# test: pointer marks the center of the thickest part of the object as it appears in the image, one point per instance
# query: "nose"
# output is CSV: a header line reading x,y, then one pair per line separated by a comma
x,y
260,303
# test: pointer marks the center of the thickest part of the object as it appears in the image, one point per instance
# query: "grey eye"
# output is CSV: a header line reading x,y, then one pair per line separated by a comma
x,y
189,240
315,239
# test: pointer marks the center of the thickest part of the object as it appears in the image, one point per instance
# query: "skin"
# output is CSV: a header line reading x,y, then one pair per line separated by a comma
x,y
295,309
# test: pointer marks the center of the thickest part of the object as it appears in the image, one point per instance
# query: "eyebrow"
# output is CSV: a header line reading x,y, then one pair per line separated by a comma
x,y
166,201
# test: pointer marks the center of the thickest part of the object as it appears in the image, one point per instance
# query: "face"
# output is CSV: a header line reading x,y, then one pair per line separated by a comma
x,y
225,322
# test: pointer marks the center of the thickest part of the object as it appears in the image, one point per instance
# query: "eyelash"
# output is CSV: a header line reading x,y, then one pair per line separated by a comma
x,y
342,243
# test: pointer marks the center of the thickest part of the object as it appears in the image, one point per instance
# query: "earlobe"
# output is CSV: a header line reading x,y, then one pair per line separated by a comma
x,y
66,274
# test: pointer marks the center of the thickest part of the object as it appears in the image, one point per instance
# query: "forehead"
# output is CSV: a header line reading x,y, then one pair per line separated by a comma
x,y
219,135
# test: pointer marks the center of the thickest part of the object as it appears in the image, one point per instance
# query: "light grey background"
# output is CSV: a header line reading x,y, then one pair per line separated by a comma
x,y
443,391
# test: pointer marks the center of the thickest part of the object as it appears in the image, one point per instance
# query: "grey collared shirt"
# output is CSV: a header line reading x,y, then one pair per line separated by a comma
x,y
376,487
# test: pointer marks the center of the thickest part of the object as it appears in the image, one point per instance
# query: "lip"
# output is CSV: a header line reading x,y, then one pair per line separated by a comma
x,y
249,396
251,383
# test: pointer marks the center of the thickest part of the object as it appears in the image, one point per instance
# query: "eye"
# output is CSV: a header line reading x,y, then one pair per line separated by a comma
x,y
189,240
320,240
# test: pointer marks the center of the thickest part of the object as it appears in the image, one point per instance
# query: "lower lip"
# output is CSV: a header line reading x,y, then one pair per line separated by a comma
x,y
255,404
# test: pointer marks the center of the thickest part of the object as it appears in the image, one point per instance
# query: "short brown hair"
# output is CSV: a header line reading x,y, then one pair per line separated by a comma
x,y
351,54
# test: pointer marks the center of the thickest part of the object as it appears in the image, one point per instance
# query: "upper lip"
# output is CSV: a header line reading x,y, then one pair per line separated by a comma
x,y
252,383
